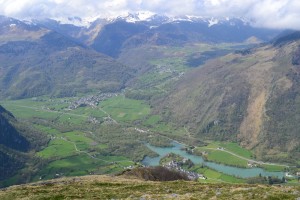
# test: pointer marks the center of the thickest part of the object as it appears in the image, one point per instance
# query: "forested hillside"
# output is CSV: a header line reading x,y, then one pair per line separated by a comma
x,y
250,96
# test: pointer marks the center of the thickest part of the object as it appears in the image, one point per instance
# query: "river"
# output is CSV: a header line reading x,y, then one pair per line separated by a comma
x,y
235,171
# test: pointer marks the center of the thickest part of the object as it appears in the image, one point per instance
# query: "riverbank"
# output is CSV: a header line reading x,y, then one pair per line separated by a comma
x,y
229,170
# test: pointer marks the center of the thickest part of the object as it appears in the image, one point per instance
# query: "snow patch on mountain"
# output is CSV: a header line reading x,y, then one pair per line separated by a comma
x,y
76,21
137,17
152,19
212,22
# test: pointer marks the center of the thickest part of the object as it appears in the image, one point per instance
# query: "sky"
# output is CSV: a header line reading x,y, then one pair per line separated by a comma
x,y
263,13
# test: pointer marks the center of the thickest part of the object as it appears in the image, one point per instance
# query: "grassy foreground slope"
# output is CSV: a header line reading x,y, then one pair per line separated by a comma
x,y
106,187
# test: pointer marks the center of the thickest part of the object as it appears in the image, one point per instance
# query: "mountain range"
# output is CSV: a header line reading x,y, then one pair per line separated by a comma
x,y
111,36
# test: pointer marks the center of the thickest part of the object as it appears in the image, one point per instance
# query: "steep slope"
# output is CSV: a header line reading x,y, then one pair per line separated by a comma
x,y
16,140
250,97
112,37
56,65
11,141
9,136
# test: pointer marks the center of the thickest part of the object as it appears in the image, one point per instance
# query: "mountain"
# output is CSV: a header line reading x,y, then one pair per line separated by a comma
x,y
14,30
251,96
56,65
112,36
174,32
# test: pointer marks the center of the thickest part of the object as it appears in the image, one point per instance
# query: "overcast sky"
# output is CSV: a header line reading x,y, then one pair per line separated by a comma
x,y
267,13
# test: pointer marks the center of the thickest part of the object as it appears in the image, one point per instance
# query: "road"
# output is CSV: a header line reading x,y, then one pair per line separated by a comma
x,y
247,159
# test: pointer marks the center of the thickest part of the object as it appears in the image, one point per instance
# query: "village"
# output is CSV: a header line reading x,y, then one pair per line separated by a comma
x,y
177,165
92,100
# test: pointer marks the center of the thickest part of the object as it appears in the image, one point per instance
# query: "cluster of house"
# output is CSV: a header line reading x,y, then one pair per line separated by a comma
x,y
252,164
289,175
164,69
174,165
93,120
92,100
141,130
161,69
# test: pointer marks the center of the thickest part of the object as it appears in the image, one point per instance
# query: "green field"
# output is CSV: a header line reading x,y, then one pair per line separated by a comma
x,y
123,109
152,120
81,141
57,148
221,156
274,168
83,164
235,148
214,176
226,158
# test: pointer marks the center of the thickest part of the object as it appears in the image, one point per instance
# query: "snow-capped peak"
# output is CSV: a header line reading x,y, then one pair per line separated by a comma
x,y
139,16
145,15
212,22
76,21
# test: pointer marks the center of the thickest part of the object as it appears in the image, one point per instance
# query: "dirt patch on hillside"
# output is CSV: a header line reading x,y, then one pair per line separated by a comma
x,y
251,126
260,78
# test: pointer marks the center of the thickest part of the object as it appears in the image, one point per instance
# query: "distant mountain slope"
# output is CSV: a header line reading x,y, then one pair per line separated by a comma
x,y
251,97
112,36
128,35
14,30
56,65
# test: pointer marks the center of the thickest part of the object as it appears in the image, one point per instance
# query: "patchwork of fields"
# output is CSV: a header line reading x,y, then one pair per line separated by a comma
x,y
102,139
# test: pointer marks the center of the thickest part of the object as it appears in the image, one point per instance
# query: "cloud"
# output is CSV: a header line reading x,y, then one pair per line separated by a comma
x,y
265,13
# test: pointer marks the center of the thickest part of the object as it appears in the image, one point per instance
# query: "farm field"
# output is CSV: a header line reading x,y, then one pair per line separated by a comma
x,y
215,177
232,154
